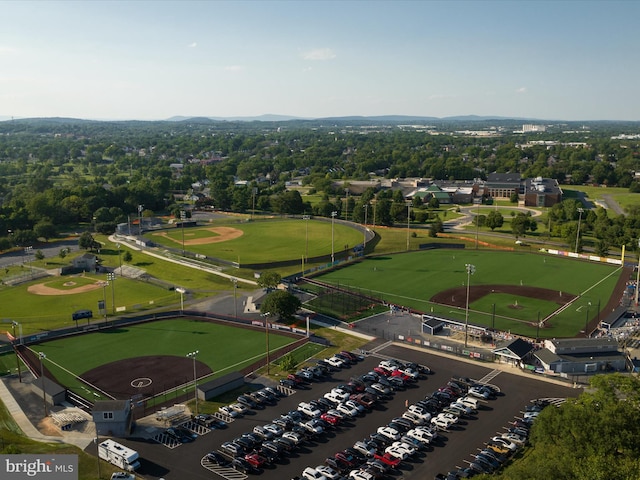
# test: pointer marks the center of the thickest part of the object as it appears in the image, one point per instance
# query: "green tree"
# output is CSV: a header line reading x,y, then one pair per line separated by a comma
x,y
39,255
45,229
280,303
86,241
127,257
269,280
494,220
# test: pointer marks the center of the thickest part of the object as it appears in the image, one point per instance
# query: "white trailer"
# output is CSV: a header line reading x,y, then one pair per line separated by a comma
x,y
119,455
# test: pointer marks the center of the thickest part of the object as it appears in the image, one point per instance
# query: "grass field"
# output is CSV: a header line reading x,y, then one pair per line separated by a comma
x,y
223,348
620,195
43,312
268,240
412,279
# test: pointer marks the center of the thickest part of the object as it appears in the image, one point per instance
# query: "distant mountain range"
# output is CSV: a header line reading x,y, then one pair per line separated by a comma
x,y
285,118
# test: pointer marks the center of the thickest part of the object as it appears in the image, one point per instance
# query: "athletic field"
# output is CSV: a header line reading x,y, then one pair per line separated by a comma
x,y
151,358
263,240
521,287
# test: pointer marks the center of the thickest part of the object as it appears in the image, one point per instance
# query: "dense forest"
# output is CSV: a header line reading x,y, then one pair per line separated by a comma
x,y
59,172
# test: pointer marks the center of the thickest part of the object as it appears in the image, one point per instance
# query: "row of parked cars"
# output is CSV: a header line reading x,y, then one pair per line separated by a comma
x,y
501,447
386,448
266,444
257,400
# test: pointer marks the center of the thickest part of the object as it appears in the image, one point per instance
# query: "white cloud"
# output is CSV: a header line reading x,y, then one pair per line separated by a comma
x,y
233,68
7,50
319,54
192,45
522,90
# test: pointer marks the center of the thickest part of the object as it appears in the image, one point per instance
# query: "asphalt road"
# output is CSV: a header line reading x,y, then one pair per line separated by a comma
x,y
184,461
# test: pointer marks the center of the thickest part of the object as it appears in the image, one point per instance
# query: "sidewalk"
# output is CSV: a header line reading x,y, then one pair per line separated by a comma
x,y
80,439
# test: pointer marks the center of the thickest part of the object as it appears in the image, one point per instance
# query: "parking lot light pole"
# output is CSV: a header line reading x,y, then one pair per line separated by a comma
x,y
364,242
235,297
42,356
408,222
193,355
181,291
119,258
586,321
306,237
471,269
333,216
183,217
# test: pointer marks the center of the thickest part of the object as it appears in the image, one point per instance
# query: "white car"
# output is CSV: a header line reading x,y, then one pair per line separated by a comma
x,y
328,472
336,397
274,429
227,410
413,418
311,473
347,410
406,447
514,438
396,452
441,423
364,449
428,429
469,402
294,437
309,410
122,476
478,392
419,412
420,435
389,432
505,442
241,409
361,475
449,417
335,362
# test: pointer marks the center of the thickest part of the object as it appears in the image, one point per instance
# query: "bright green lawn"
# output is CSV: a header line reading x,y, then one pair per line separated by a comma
x,y
44,312
223,348
412,279
270,240
620,195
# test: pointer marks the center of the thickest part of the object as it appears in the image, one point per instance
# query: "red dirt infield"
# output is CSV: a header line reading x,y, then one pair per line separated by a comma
x,y
457,297
146,376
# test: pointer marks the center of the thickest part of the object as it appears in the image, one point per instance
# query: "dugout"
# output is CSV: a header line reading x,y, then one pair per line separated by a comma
x,y
431,325
221,385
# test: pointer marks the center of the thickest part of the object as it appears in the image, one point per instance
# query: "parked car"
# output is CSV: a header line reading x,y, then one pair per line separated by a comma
x,y
178,435
388,459
328,472
249,402
310,473
217,458
227,410
365,448
241,465
233,449
241,409
122,476
389,432
255,459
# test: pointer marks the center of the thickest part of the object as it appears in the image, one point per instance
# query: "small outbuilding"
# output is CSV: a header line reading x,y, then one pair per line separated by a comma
x,y
516,351
221,385
431,325
113,418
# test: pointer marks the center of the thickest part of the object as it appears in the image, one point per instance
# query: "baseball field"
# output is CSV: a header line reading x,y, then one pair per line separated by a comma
x,y
510,291
262,241
151,358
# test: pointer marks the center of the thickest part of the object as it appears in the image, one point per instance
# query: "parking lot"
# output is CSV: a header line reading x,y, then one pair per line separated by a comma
x,y
185,461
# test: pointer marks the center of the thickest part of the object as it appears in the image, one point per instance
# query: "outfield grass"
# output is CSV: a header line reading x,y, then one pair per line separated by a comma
x,y
45,312
412,279
223,348
269,240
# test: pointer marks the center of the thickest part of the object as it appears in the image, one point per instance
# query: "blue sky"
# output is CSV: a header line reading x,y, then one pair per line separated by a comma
x,y
574,60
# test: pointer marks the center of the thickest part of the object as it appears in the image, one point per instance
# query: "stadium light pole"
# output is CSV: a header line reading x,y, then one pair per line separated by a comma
x,y
478,222
193,355
119,258
306,219
235,298
104,299
15,324
580,211
471,269
140,208
42,356
111,278
266,332
408,222
333,216
586,321
638,275
181,291
183,217
364,242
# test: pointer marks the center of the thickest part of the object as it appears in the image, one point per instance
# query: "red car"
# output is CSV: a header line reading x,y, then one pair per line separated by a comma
x,y
387,459
330,419
255,459
382,371
404,377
